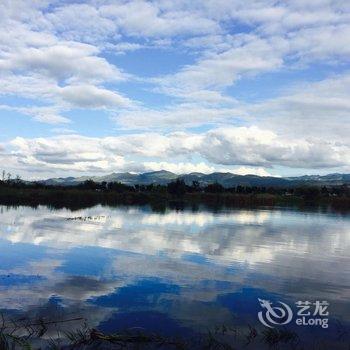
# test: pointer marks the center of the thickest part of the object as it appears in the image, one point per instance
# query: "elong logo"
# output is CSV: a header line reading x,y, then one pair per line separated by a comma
x,y
282,313
274,315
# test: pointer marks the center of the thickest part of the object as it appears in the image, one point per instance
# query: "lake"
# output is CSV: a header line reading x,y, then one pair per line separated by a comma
x,y
179,274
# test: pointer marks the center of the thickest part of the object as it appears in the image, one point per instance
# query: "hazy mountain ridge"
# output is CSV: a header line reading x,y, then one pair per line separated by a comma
x,y
163,177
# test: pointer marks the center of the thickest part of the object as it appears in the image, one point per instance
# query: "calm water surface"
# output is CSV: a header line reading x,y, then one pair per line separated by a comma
x,y
174,273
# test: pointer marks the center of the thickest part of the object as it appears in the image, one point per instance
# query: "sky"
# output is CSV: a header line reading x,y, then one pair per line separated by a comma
x,y
99,86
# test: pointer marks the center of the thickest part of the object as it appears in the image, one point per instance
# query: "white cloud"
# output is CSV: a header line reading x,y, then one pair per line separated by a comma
x,y
180,116
124,47
40,60
45,115
82,22
258,147
281,36
66,131
325,43
31,86
250,147
89,96
60,55
68,61
202,167
49,115
250,55
141,18
318,110
179,168
252,171
64,153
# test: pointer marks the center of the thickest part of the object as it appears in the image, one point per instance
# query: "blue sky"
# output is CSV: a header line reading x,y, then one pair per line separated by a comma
x,y
95,86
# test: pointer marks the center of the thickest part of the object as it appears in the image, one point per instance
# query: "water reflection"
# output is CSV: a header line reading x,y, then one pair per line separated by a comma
x,y
175,272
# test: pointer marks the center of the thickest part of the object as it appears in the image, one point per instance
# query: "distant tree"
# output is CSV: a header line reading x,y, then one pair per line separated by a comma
x,y
214,188
239,189
196,185
150,188
119,187
89,184
324,191
17,181
177,187
308,193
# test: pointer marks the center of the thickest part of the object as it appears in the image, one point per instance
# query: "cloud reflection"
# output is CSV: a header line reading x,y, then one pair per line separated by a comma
x,y
204,255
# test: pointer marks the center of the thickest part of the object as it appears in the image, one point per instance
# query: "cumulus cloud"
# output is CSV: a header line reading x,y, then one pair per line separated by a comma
x,y
254,146
65,60
202,167
141,18
179,168
228,59
284,35
40,60
243,170
82,22
181,116
250,55
61,56
90,96
49,115
319,110
60,130
72,153
221,149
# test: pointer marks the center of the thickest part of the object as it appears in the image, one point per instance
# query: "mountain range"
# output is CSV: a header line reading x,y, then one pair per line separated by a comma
x,y
163,177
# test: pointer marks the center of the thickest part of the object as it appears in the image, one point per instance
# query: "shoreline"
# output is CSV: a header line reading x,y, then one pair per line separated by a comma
x,y
77,198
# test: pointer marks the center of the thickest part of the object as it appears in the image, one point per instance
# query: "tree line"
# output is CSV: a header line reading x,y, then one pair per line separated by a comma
x,y
179,188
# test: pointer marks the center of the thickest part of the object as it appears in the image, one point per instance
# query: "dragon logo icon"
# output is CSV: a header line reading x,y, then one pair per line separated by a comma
x,y
274,315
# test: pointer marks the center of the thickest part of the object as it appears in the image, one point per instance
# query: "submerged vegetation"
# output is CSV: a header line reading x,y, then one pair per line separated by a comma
x,y
47,334
175,194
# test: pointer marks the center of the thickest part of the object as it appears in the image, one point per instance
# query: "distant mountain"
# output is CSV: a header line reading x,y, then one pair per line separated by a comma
x,y
155,177
163,177
331,179
232,180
